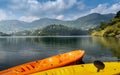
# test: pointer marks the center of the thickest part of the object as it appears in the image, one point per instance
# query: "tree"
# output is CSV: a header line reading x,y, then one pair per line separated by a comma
x,y
103,25
117,15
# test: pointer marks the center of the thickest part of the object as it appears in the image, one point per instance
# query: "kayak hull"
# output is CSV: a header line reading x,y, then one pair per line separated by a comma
x,y
45,64
111,68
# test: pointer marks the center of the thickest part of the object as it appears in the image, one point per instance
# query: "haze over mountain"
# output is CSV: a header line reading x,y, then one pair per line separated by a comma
x,y
84,23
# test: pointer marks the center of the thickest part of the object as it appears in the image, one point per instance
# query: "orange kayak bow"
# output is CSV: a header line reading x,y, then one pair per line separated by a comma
x,y
45,64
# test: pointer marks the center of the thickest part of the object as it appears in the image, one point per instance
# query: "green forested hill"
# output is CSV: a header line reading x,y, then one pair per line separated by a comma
x,y
53,30
61,30
111,29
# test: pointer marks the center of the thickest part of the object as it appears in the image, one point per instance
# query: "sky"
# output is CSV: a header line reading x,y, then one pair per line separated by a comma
x,y
30,10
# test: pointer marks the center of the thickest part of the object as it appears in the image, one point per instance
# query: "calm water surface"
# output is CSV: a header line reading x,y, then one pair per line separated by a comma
x,y
18,50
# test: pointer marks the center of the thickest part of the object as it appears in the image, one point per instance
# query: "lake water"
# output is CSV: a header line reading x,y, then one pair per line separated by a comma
x,y
15,50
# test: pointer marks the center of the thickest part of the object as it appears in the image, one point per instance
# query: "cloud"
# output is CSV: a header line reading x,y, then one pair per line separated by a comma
x,y
28,18
60,17
52,9
4,15
35,7
106,9
27,9
80,5
30,10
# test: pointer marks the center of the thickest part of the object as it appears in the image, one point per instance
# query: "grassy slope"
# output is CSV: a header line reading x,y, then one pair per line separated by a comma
x,y
112,29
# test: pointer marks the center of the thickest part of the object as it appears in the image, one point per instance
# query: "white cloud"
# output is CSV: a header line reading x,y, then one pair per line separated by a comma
x,y
26,10
4,15
80,6
58,5
37,8
105,9
60,17
99,9
28,18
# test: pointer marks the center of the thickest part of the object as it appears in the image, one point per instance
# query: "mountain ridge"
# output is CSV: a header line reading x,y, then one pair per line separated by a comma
x,y
85,23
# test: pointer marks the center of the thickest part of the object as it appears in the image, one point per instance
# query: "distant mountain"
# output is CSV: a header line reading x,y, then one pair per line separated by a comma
x,y
110,29
92,20
4,34
46,21
84,23
9,26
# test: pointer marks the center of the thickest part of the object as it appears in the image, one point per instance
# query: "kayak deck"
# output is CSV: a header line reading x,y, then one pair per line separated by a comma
x,y
111,68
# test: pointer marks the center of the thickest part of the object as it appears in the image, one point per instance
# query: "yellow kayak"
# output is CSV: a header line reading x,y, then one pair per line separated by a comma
x,y
110,68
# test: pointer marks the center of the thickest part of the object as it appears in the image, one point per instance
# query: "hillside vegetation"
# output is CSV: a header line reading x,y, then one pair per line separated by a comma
x,y
53,30
61,30
110,29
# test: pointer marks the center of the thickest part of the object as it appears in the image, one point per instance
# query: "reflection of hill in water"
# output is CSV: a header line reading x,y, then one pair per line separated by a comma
x,y
111,43
58,40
